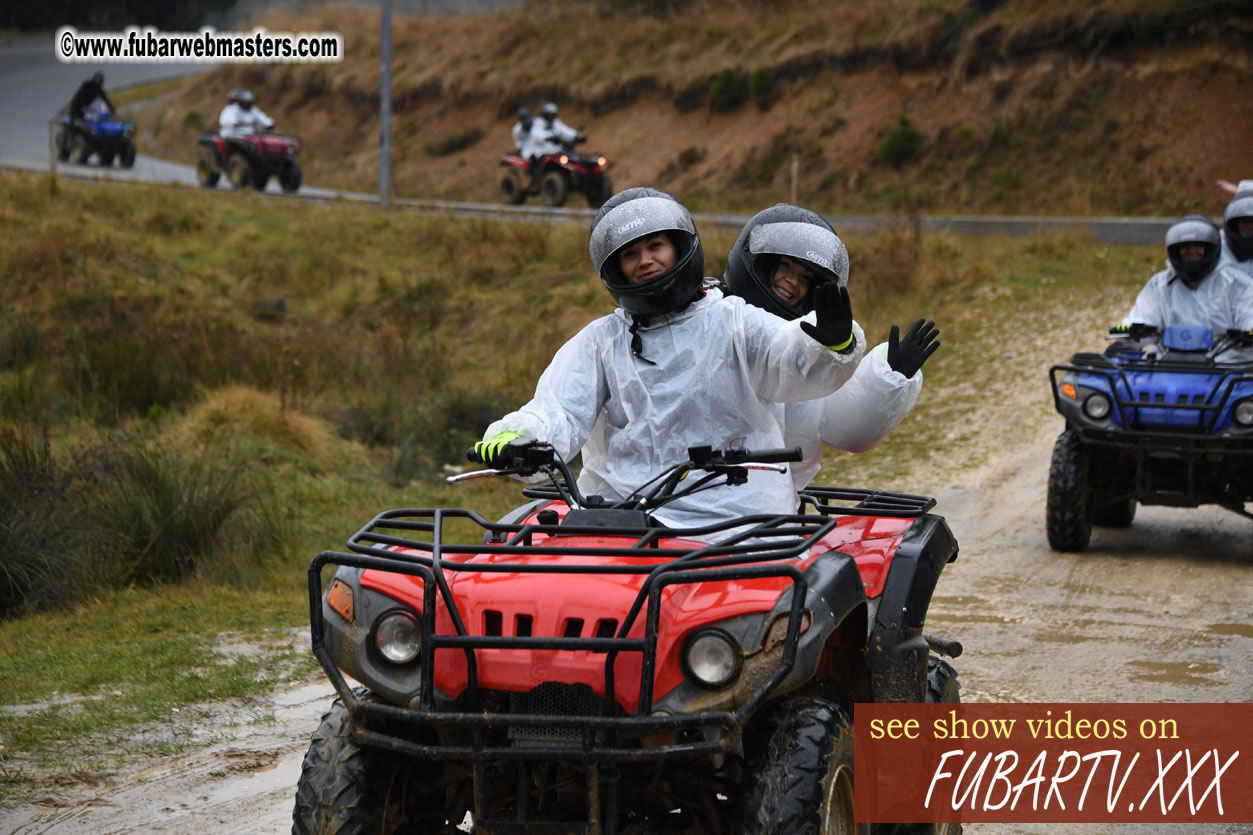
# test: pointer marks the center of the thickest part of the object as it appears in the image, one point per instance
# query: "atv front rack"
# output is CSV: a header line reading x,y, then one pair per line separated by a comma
x,y
1129,408
750,547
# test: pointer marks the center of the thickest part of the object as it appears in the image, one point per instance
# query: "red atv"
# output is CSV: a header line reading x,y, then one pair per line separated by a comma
x,y
578,667
559,174
250,161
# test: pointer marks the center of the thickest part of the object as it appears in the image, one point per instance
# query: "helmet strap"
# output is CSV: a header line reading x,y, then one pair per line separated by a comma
x,y
637,344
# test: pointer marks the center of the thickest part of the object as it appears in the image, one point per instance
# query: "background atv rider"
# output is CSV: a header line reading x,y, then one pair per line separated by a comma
x,y
522,138
676,365
88,92
1194,288
548,135
1237,232
780,258
241,117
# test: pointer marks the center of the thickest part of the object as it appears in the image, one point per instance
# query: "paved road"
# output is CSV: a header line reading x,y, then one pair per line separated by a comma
x,y
34,86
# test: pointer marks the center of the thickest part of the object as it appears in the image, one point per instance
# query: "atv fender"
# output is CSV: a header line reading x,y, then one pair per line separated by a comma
x,y
349,643
897,653
834,598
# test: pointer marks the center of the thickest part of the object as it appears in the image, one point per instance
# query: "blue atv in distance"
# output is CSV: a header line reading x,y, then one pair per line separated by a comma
x,y
1162,418
98,134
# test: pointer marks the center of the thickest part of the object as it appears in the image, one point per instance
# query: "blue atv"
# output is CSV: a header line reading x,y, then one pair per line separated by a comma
x,y
1161,418
98,134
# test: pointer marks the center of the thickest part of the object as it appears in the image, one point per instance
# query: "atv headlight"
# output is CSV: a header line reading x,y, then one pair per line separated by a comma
x,y
1244,413
564,159
1096,406
398,636
711,658
601,161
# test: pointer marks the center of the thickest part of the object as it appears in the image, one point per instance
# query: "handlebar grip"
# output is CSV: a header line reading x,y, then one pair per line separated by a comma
x,y
777,456
473,456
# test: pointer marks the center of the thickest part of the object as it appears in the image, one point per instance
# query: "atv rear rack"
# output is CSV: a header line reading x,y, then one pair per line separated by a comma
x,y
754,547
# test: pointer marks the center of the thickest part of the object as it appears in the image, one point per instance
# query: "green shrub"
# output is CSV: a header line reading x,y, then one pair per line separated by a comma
x,y
726,91
174,515
50,556
761,87
901,143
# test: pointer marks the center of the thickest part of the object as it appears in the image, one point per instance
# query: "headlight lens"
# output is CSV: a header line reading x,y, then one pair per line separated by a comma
x,y
398,636
711,658
1096,406
601,161
1244,413
564,159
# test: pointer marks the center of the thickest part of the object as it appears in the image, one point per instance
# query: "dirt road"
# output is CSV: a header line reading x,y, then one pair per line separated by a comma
x,y
1159,612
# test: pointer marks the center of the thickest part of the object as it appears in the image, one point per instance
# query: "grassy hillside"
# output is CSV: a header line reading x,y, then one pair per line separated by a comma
x,y
266,375
907,106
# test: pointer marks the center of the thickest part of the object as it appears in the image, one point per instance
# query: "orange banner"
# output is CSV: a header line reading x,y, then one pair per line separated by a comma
x,y
1061,763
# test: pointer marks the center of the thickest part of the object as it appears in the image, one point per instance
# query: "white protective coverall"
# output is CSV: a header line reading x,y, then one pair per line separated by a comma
x,y
1222,301
548,136
853,418
722,370
522,139
235,123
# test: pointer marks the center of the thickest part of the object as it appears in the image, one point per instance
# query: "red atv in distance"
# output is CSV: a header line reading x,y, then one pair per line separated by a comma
x,y
559,174
250,161
578,667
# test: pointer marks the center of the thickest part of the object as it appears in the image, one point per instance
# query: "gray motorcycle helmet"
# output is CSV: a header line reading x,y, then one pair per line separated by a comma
x,y
525,117
1193,229
548,111
636,213
1241,206
796,232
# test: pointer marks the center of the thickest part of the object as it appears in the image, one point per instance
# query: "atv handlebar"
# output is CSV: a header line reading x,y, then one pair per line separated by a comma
x,y
731,466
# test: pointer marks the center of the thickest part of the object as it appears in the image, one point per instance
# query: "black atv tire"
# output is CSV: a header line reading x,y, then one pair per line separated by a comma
x,y
81,146
347,788
290,176
126,156
239,171
596,197
511,190
799,772
1119,514
553,189
1068,511
942,684
207,172
260,180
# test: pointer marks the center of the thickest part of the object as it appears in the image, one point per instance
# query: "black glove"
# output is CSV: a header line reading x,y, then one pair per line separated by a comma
x,y
835,318
907,355
1135,330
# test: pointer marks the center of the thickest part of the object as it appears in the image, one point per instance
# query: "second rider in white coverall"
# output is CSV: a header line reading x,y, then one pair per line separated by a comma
x,y
782,254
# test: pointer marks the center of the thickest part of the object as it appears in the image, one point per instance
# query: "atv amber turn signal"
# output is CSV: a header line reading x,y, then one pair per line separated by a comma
x,y
339,599
1068,390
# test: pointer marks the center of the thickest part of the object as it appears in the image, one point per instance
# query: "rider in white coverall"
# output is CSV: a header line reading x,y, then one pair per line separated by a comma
x,y
677,365
780,257
1194,288
241,117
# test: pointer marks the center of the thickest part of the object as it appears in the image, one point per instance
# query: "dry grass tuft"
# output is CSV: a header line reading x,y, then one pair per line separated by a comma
x,y
244,411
